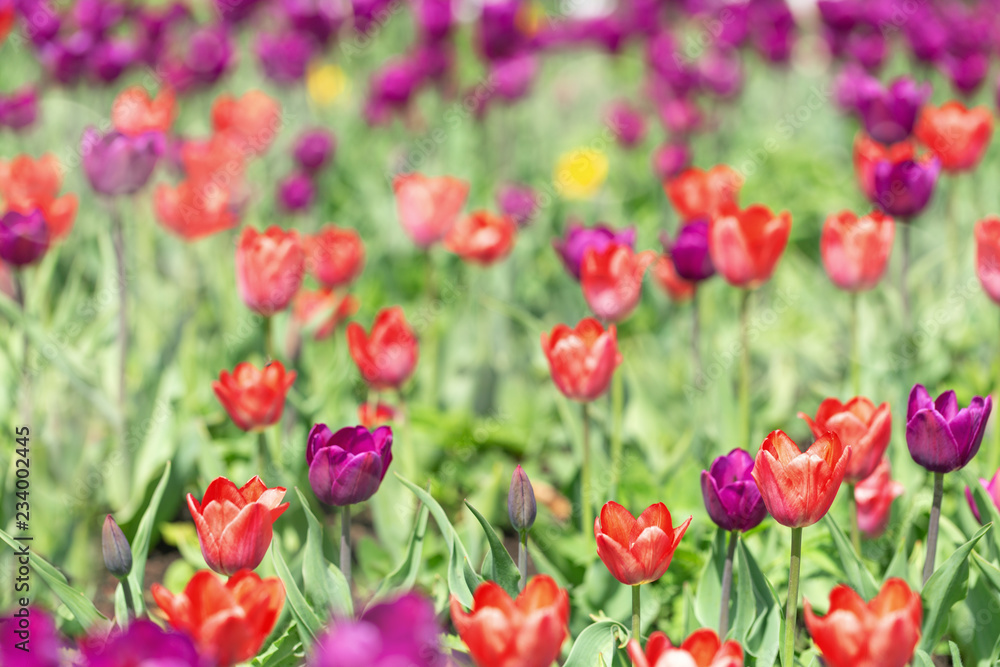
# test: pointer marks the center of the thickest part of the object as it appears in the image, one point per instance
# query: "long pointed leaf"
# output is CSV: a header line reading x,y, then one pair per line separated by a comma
x,y
503,569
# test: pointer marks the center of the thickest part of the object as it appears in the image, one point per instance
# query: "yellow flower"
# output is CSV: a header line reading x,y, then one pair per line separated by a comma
x,y
580,173
326,83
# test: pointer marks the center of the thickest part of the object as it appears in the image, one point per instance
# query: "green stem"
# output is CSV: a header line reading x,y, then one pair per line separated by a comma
x,y
636,626
118,234
586,512
951,222
745,369
792,601
617,405
905,270
855,530
345,543
129,603
268,339
522,560
932,527
727,584
18,278
855,348
695,336
263,455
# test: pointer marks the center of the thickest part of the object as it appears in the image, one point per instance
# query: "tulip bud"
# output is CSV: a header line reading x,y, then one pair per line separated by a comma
x,y
117,553
521,505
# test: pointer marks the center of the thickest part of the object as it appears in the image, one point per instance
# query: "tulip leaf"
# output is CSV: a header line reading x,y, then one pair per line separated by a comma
x,y
285,651
857,574
947,586
987,510
458,558
990,571
79,605
309,623
922,659
956,656
503,569
709,594
598,640
746,600
405,574
326,585
763,638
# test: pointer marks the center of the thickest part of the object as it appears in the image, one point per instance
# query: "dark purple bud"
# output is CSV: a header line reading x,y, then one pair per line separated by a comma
x,y
579,239
296,192
890,113
346,467
968,71
690,252
206,57
497,33
730,492
24,238
117,164
927,35
941,437
665,57
839,16
117,553
867,45
670,160
520,202
110,59
284,57
66,58
97,16
521,507
314,149
903,189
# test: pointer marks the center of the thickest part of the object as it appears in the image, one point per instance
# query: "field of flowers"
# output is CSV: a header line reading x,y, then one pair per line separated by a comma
x,y
512,333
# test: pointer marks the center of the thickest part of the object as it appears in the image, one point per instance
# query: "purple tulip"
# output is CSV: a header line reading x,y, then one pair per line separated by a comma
x,y
432,60
671,159
690,252
19,110
735,20
662,53
731,495
296,192
772,29
284,57
45,642
40,19
110,59
721,73
840,16
435,19
868,46
941,437
497,32
992,490
207,55
98,16
579,239
320,19
236,11
903,189
152,28
23,238
117,164
520,202
394,84
627,123
968,71
66,58
606,32
348,466
927,35
521,507
143,643
680,115
403,631
890,113
512,77
314,148
848,82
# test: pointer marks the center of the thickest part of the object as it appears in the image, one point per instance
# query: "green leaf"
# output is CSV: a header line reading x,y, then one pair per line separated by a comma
x,y
503,570
858,576
309,623
956,657
140,547
405,574
990,571
691,622
922,659
78,604
326,585
285,651
708,597
947,586
746,599
598,640
763,640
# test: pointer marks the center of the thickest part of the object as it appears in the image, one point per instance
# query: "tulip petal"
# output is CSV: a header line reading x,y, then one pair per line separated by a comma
x,y
653,551
931,442
617,523
919,400
619,561
245,540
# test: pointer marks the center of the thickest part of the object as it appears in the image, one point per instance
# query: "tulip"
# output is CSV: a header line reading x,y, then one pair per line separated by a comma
x,y
227,621
296,192
851,79
701,649
697,194
889,114
320,19
269,268
525,632
512,77
254,119
521,507
904,188
518,202
388,356
637,550
671,159
435,19
371,416
194,210
314,149
401,631
7,17
627,124
284,56
45,645
142,643
24,238
612,280
499,33
19,110
992,487
966,71
428,207
745,244
117,164
665,273
322,311
579,239
482,237
956,135
27,184
868,153
941,437
347,467
205,56
116,551
690,251
721,72
235,524
880,633
335,256
855,250
133,113
873,496
860,426
582,360
254,398
988,256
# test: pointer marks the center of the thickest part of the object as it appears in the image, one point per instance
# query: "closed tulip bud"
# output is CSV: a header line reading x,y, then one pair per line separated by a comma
x,y
579,239
284,56
269,268
889,114
956,135
904,188
114,545
254,398
698,194
521,507
988,256
19,110
746,244
482,237
855,250
860,426
24,238
799,487
388,355
314,149
637,550
880,633
117,164
941,437
730,493
874,496
612,280
992,487
428,207
296,192
582,360
702,648
347,467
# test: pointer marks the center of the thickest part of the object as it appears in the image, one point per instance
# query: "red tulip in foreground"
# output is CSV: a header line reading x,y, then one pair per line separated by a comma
x,y
526,632
702,649
582,360
228,621
746,244
269,268
612,280
387,356
855,250
428,206
703,194
956,135
234,524
880,633
988,256
334,256
482,237
254,398
860,426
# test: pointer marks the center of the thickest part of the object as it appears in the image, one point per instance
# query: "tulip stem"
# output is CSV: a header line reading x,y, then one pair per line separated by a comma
x,y
636,626
855,530
932,527
905,291
263,455
585,510
745,369
522,559
118,234
129,603
345,543
617,404
727,584
695,335
855,348
792,602
268,340
18,278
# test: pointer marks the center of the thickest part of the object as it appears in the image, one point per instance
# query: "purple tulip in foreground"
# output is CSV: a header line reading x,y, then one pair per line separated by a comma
x,y
44,644
889,114
143,643
903,189
347,466
117,164
579,239
942,437
690,252
23,238
731,495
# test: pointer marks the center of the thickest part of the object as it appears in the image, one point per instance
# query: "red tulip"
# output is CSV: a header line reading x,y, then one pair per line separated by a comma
x,y
27,185
704,194
7,17
860,426
234,524
269,268
637,551
194,210
582,360
428,206
372,416
227,621
880,633
134,113
321,311
612,279
218,161
745,244
855,251
678,289
956,135
482,237
702,649
988,256
798,487
254,399
388,356
874,496
254,119
335,256
526,632
868,153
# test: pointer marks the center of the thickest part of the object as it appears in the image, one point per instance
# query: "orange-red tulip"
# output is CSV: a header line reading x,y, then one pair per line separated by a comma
x,y
227,621
702,649
582,360
855,250
371,416
798,487
482,237
678,289
269,268
860,426
880,633
637,550
27,184
254,398
388,356
746,244
194,210
428,206
874,496
526,632
868,153
253,119
956,135
611,279
988,256
134,113
234,524
335,256
322,311
703,194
